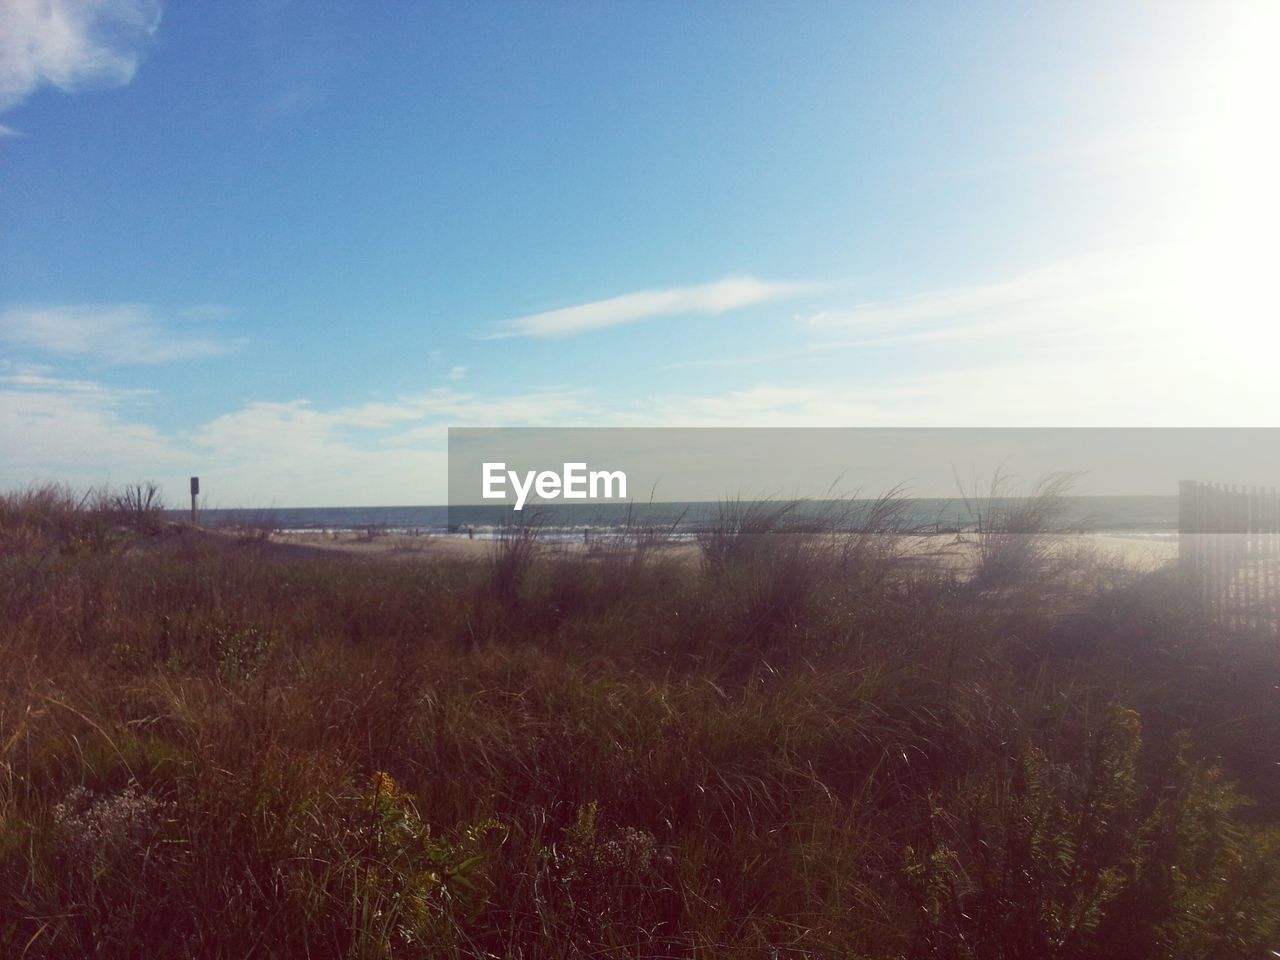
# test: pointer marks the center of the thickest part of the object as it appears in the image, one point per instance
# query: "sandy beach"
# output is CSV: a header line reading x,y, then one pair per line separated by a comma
x,y
945,550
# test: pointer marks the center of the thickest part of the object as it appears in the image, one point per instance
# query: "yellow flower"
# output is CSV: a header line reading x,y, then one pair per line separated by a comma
x,y
381,784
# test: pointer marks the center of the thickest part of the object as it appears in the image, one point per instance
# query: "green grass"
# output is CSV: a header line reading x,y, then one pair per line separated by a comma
x,y
797,749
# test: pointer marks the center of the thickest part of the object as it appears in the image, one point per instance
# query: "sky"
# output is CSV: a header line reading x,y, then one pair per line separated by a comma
x,y
285,245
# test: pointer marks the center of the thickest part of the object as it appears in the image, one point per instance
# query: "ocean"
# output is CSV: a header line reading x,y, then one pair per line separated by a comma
x,y
1142,517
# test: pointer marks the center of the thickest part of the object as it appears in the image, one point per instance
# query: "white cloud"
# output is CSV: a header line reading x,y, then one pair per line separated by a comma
x,y
297,453
991,395
1173,334
388,452
73,45
32,381
265,428
1183,304
458,373
76,431
291,453
111,333
1111,290
733,293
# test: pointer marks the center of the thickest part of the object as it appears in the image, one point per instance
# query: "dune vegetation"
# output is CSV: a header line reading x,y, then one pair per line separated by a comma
x,y
799,746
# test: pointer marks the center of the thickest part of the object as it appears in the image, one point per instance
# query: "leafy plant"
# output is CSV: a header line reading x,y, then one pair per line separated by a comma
x,y
1048,862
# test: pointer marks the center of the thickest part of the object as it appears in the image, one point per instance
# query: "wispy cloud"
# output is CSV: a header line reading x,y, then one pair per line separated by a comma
x,y
732,293
1171,334
458,373
1121,299
73,45
1085,290
30,380
111,333
1186,301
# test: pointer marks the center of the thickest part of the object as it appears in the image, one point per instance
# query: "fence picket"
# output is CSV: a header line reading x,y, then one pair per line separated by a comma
x,y
1229,551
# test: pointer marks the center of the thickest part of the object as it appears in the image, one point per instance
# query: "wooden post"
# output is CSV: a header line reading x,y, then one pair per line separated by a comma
x,y
195,492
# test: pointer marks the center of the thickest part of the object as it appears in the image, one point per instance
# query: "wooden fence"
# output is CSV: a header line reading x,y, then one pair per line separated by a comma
x,y
1229,551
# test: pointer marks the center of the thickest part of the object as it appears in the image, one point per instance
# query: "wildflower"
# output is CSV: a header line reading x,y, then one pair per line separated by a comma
x,y
383,786
90,827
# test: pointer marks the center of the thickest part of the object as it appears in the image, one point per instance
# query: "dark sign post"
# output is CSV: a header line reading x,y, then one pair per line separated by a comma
x,y
195,492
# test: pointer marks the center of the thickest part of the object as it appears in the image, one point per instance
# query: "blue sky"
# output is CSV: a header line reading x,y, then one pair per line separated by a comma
x,y
286,245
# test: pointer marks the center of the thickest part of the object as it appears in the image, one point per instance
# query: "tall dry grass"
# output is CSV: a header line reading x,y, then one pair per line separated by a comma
x,y
52,516
212,749
1016,534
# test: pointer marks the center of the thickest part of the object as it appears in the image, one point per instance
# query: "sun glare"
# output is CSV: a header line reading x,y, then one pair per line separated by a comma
x,y
1235,140
1217,275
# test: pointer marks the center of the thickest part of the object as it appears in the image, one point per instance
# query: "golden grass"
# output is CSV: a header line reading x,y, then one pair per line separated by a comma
x,y
209,748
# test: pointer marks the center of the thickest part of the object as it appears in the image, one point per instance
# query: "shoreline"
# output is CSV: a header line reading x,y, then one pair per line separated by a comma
x,y
946,550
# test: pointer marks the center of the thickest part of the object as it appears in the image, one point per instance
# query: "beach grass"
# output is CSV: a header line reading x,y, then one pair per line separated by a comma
x,y
804,745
